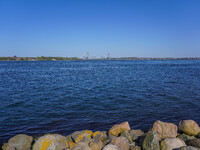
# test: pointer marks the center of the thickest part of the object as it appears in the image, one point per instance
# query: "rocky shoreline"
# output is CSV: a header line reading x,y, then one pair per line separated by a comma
x,y
161,136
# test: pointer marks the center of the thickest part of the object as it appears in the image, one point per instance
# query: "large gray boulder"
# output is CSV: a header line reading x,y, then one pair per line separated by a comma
x,y
172,143
150,141
19,142
82,136
51,142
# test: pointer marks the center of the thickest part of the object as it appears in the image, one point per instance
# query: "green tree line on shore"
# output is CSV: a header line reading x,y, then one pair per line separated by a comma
x,y
43,58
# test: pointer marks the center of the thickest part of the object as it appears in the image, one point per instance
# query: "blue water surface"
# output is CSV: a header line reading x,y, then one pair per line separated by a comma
x,y
65,96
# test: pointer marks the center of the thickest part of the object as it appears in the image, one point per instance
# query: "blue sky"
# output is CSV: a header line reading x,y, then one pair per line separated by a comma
x,y
123,28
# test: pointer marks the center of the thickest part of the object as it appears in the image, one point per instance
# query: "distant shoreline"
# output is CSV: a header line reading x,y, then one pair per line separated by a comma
x,y
42,58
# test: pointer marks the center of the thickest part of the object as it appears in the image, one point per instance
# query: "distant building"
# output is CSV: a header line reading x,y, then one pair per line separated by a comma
x,y
108,56
14,57
87,56
19,58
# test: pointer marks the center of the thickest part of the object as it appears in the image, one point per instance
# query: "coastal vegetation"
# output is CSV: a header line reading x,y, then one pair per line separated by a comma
x,y
161,136
44,58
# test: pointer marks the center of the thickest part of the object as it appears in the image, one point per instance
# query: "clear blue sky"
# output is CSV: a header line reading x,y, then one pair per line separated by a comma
x,y
142,28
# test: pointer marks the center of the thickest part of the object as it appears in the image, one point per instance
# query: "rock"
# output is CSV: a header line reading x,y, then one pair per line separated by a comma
x,y
198,135
106,142
187,148
136,133
185,137
96,145
19,142
164,129
81,146
172,143
189,127
69,138
136,148
100,135
132,145
194,142
119,128
111,138
121,142
127,135
111,147
51,142
70,144
140,141
82,136
151,141
5,147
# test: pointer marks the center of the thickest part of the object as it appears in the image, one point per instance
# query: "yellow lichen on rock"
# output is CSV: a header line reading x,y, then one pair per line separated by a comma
x,y
50,142
97,133
82,136
46,144
88,132
79,138
70,144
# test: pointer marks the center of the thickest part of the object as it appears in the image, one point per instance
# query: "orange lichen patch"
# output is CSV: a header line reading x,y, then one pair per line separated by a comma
x,y
88,132
46,144
97,133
